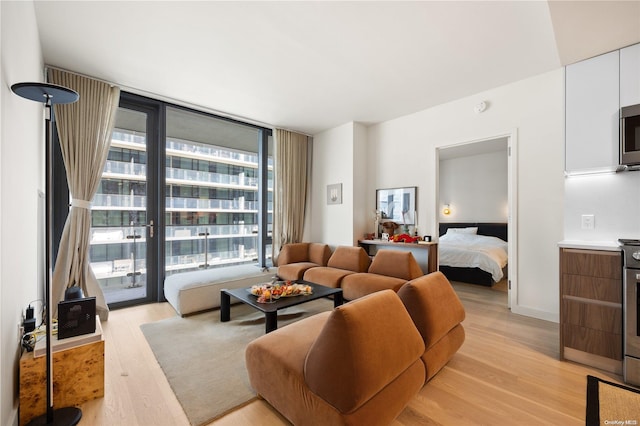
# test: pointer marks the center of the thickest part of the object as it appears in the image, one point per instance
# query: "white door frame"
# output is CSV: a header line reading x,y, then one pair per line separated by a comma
x,y
512,194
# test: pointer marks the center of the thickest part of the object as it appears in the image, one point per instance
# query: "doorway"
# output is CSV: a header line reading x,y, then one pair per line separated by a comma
x,y
476,183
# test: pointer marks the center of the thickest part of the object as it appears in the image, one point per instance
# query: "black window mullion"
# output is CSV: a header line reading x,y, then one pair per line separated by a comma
x,y
263,198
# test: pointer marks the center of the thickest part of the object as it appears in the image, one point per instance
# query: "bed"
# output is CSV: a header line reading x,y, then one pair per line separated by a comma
x,y
474,253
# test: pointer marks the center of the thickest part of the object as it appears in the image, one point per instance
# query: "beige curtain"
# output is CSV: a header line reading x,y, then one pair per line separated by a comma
x,y
290,192
84,129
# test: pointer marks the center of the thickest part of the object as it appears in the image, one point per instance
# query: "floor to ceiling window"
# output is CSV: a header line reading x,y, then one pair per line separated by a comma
x,y
181,191
211,192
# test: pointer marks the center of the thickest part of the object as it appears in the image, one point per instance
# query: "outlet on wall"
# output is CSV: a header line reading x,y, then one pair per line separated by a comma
x,y
588,221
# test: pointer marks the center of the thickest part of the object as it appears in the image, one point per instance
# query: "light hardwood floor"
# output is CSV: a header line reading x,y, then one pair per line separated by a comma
x,y
507,372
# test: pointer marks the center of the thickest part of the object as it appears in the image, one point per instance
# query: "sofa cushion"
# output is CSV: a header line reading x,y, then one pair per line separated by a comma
x,y
353,259
439,354
396,263
326,276
358,285
363,346
294,271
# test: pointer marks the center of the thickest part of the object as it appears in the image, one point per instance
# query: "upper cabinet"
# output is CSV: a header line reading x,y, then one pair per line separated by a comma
x,y
592,107
630,75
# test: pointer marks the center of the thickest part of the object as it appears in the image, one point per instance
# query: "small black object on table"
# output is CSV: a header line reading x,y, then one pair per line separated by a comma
x,y
270,310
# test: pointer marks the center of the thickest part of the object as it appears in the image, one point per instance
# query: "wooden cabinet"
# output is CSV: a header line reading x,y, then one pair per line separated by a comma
x,y
592,114
426,254
591,308
630,75
78,376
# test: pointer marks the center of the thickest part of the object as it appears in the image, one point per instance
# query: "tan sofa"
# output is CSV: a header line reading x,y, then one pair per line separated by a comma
x,y
350,268
357,364
390,269
294,259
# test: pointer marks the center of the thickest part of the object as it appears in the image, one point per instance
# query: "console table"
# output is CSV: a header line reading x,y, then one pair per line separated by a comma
x,y
426,253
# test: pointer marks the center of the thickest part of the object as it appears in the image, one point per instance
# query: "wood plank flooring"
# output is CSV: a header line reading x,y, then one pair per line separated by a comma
x,y
507,372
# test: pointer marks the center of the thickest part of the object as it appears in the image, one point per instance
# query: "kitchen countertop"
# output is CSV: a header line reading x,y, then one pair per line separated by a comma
x,y
590,245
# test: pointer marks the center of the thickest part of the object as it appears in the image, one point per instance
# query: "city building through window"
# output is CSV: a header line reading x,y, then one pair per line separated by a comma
x,y
191,193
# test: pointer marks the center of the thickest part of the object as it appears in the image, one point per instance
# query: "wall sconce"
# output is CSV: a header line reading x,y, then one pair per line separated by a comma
x,y
447,209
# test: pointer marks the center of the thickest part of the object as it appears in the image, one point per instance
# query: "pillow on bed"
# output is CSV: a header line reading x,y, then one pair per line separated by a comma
x,y
468,230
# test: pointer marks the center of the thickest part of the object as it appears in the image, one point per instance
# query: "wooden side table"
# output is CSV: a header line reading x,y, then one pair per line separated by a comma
x,y
78,377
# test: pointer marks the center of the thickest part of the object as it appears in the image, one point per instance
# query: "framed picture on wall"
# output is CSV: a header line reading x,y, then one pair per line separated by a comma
x,y
334,193
397,205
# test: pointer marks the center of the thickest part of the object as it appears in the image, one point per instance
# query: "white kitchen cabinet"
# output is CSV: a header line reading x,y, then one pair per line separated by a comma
x,y
592,107
630,75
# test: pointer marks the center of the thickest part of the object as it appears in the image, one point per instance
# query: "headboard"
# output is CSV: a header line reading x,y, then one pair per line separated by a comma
x,y
491,229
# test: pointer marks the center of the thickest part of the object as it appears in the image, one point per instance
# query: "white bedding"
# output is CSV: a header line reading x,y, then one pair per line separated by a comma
x,y
465,250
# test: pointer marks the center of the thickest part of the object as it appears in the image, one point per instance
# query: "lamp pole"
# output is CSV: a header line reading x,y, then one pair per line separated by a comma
x,y
49,94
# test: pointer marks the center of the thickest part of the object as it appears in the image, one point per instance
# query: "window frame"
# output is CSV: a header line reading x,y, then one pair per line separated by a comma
x,y
156,152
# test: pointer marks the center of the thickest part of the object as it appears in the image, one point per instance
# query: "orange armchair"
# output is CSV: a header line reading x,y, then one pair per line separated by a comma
x,y
357,365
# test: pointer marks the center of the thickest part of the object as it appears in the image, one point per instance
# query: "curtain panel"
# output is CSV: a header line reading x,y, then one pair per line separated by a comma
x,y
84,130
290,188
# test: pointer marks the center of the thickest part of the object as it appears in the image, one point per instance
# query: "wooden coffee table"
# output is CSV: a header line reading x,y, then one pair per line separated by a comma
x,y
270,310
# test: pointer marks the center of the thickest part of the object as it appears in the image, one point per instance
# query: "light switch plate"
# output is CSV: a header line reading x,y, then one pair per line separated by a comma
x,y
588,221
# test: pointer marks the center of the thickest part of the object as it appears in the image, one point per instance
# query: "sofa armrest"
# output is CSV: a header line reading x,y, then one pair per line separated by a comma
x,y
363,346
293,253
433,305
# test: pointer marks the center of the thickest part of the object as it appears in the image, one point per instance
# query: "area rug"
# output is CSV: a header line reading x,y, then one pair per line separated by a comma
x,y
203,359
611,404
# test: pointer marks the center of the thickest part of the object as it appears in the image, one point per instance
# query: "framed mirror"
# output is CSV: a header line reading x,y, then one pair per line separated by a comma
x,y
397,205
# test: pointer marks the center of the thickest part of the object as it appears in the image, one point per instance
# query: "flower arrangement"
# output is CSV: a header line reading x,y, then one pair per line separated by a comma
x,y
404,238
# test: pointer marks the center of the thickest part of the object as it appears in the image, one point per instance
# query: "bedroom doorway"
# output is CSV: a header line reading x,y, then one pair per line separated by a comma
x,y
476,185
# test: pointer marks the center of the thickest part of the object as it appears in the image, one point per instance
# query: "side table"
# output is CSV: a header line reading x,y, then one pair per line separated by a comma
x,y
78,377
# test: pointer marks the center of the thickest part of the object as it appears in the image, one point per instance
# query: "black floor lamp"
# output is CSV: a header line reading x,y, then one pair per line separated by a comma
x,y
49,94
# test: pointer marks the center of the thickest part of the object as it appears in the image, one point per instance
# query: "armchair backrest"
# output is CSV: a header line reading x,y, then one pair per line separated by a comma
x,y
433,305
363,346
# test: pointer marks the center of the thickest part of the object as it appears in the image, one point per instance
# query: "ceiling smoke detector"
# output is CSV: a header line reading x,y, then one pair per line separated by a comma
x,y
480,107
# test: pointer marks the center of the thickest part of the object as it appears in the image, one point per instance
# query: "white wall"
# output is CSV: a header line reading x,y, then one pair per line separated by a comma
x,y
401,152
21,177
614,200
475,187
333,159
363,214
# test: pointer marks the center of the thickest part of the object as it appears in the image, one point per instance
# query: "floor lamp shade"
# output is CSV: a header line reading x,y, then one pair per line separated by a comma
x,y
49,94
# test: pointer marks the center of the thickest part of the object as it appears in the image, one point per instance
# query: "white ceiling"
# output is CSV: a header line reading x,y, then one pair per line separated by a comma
x,y
309,66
